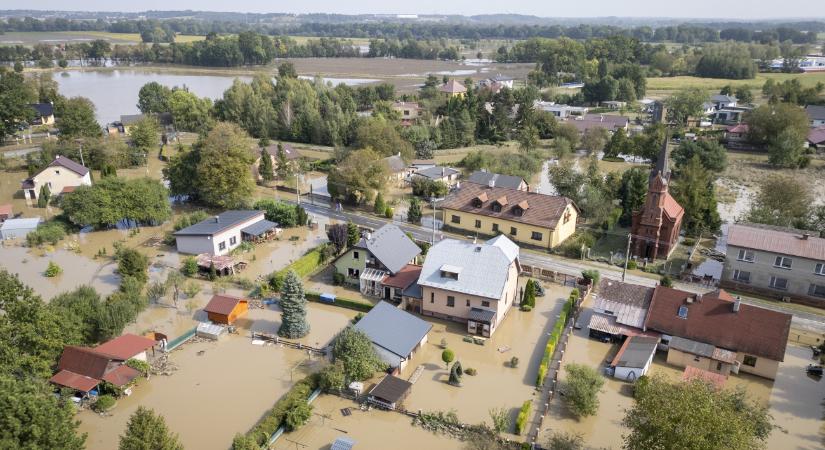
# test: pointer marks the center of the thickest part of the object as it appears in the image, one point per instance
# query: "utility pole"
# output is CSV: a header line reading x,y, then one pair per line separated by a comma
x,y
626,256
433,238
80,143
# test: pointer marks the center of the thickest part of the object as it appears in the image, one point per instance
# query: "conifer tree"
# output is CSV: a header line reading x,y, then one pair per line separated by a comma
x,y
148,430
44,197
267,173
294,323
380,206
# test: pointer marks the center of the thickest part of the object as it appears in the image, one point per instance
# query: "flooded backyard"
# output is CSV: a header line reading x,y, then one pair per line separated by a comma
x,y
794,398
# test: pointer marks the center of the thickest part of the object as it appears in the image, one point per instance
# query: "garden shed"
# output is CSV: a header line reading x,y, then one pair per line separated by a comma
x,y
389,392
18,228
225,309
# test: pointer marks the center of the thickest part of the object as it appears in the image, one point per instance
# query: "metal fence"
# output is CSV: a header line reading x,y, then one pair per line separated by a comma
x,y
176,342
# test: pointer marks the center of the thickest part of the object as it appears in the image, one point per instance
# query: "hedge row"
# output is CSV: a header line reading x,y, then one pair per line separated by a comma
x,y
303,266
555,335
276,416
342,302
523,417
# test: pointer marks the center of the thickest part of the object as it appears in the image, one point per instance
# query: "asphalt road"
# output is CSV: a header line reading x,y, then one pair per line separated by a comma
x,y
802,320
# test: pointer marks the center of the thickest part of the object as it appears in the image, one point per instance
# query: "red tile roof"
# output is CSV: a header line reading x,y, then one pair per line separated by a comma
x,y
125,346
6,210
403,278
73,380
223,304
738,128
817,135
672,208
68,189
121,376
782,241
539,209
711,320
715,379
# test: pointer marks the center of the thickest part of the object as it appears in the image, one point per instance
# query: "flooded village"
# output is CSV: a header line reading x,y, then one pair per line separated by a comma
x,y
467,249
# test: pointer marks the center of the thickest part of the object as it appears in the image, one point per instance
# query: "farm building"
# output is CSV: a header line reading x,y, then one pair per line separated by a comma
x,y
225,309
18,228
634,357
395,334
389,392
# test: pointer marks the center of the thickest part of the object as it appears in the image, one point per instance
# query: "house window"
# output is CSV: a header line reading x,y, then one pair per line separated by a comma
x,y
468,302
496,207
485,303
495,228
817,290
749,361
718,367
450,301
536,236
478,223
566,217
455,219
697,359
432,297
518,211
513,231
820,269
222,245
742,276
779,283
746,255
353,273
783,262
354,255
56,172
233,240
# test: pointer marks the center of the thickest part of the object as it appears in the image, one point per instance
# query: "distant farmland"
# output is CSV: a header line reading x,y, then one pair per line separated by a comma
x,y
55,37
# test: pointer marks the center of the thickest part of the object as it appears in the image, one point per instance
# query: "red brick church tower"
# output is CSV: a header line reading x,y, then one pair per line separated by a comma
x,y
655,228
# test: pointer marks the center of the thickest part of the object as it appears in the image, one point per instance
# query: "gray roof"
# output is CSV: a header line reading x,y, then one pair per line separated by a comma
x,y
259,228
20,224
342,443
628,302
484,178
815,112
225,221
723,98
436,172
414,291
638,351
393,329
481,315
43,109
691,346
485,266
395,163
391,247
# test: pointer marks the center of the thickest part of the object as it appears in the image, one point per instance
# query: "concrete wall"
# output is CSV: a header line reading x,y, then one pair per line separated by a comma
x,y
765,368
800,276
683,359
57,178
549,238
435,301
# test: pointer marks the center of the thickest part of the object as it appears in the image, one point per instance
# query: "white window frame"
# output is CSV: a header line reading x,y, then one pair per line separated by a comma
x,y
773,283
779,262
819,269
737,276
746,256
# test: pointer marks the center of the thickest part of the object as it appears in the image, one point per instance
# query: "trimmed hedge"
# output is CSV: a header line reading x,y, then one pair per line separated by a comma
x,y
303,266
555,335
276,416
523,416
342,302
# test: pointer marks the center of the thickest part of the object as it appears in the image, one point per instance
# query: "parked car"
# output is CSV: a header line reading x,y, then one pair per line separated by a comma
x,y
815,369
539,289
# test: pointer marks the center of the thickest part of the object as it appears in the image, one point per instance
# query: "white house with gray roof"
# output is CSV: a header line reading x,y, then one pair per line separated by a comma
x,y
219,235
375,257
476,283
395,334
491,179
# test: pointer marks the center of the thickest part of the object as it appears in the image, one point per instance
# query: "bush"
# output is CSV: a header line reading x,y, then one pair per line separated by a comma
x,y
338,279
140,366
447,356
572,247
277,416
190,266
514,362
581,389
471,371
50,232
555,335
631,265
613,159
104,403
303,266
689,242
284,214
388,212
526,308
592,276
523,416
342,302
666,281
53,270
132,263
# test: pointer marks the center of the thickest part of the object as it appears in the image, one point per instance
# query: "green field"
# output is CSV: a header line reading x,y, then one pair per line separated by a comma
x,y
51,37
669,84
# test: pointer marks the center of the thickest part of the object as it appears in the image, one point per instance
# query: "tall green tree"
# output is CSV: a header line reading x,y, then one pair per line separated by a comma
x,y
355,351
685,104
782,201
132,263
147,430
414,211
284,167
581,389
767,122
294,323
265,168
15,97
224,179
632,192
694,190
112,199
76,119
190,112
145,135
528,138
153,97
666,415
44,197
787,149
713,156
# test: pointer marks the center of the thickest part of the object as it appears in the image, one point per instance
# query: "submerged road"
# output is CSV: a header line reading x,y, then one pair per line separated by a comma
x,y
801,320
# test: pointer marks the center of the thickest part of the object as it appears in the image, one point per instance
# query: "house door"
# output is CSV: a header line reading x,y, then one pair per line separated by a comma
x,y
387,293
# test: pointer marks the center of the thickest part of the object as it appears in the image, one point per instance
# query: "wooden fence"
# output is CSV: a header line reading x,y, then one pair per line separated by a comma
x,y
281,341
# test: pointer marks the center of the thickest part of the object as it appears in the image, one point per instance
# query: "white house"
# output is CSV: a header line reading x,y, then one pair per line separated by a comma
x,y
220,234
634,358
60,174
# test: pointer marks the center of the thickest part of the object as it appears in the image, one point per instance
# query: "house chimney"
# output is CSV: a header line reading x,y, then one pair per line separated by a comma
x,y
805,236
736,304
217,219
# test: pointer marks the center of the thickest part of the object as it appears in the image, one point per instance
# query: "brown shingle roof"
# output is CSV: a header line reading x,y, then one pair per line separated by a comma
x,y
73,380
223,304
710,319
404,277
126,346
783,241
84,361
121,375
539,209
453,87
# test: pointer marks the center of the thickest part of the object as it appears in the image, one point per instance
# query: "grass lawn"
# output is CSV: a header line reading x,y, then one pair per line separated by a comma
x,y
715,84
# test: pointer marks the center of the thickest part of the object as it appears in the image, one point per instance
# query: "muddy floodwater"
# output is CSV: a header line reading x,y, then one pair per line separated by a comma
x,y
794,398
220,388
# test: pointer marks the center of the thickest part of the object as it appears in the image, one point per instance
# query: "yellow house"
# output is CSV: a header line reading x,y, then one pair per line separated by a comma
x,y
527,218
453,88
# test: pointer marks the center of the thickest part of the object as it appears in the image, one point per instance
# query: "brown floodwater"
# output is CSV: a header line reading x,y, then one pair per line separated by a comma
x,y
224,390
794,398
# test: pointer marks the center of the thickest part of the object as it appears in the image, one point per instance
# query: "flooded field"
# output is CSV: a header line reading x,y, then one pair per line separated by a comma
x,y
497,385
229,382
794,398
373,429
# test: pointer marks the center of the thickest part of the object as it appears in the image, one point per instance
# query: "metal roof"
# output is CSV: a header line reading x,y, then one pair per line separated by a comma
x,y
485,266
691,346
125,346
391,389
391,246
482,315
225,221
259,228
393,329
628,302
635,352
485,178
20,224
74,380
437,172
